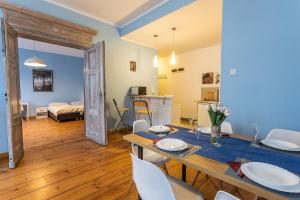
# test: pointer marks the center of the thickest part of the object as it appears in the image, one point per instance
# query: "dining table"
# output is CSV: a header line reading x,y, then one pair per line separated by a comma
x,y
214,161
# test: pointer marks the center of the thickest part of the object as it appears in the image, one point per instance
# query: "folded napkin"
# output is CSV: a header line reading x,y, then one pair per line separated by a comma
x,y
236,166
155,140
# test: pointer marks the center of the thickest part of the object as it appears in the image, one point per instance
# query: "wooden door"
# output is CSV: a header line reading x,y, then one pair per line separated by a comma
x,y
14,119
94,94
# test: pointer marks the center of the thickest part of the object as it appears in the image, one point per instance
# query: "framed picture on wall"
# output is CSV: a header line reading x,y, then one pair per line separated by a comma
x,y
42,80
208,78
132,66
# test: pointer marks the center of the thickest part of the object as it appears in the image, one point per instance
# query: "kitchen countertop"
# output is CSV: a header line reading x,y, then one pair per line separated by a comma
x,y
156,96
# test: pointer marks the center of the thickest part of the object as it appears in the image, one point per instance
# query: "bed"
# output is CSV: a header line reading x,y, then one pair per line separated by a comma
x,y
61,111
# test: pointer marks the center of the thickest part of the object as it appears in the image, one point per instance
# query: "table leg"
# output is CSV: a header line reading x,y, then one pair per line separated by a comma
x,y
183,173
140,155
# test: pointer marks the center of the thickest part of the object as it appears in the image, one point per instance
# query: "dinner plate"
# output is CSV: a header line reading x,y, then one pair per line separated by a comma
x,y
159,129
272,176
280,144
205,130
171,144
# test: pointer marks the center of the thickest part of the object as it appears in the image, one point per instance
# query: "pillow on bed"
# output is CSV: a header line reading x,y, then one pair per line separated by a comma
x,y
58,104
76,103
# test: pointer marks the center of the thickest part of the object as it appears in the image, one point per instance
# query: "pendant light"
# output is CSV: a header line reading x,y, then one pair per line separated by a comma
x,y
34,61
173,56
155,60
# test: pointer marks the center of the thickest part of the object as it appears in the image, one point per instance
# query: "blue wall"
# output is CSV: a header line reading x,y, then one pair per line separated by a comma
x,y
67,79
261,39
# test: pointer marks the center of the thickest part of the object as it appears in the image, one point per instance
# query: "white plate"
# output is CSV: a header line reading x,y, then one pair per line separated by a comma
x,y
159,129
280,144
272,176
171,144
205,130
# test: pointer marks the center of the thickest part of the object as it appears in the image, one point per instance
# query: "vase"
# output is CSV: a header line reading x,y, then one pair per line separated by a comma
x,y
215,135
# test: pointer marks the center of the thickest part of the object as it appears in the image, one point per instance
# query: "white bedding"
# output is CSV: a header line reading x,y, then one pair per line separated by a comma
x,y
57,109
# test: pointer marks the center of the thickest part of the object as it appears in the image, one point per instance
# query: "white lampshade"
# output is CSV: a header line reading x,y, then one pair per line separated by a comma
x,y
35,62
173,58
155,61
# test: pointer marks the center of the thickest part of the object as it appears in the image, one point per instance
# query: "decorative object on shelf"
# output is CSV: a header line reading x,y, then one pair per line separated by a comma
x,y
155,60
217,78
35,61
174,70
180,69
217,115
208,78
42,80
162,76
173,55
133,66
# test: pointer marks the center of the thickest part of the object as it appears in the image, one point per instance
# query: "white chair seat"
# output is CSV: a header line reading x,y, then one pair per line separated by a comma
x,y
152,157
184,191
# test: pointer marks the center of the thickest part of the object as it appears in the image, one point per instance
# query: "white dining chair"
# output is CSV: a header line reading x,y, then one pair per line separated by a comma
x,y
285,135
153,184
225,128
221,195
150,156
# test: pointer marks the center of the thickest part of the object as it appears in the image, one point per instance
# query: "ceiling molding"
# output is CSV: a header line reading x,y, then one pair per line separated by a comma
x,y
141,15
154,14
82,13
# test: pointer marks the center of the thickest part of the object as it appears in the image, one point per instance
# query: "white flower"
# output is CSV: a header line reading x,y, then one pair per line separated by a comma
x,y
226,112
221,109
213,107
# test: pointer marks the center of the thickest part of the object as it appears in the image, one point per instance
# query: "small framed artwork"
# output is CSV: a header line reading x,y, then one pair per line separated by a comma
x,y
208,78
42,80
132,66
217,78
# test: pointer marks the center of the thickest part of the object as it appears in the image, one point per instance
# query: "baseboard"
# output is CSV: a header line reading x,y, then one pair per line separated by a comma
x,y
4,155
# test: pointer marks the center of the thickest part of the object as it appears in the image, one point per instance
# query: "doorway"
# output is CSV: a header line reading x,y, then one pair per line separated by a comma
x,y
24,23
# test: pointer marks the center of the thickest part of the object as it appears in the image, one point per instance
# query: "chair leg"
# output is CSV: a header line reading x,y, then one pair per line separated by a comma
x,y
129,188
195,179
221,184
165,168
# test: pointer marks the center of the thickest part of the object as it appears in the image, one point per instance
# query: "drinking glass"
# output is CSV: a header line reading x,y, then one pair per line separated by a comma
x,y
255,130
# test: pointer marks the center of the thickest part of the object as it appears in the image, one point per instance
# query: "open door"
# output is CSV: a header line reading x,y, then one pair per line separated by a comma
x,y
13,109
94,94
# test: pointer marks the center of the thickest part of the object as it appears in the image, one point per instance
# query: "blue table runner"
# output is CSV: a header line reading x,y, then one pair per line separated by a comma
x,y
233,148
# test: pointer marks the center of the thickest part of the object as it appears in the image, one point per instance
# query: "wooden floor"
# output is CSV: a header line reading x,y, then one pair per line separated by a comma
x,y
60,163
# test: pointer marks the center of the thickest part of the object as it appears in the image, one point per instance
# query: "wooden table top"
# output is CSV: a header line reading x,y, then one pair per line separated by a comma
x,y
208,166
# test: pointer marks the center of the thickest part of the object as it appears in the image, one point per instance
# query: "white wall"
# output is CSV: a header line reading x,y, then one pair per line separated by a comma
x,y
186,86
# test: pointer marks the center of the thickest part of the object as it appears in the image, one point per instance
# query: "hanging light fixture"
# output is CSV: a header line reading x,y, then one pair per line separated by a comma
x,y
173,56
35,61
155,60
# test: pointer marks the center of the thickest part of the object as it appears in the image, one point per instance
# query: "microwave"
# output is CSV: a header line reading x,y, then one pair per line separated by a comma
x,y
138,90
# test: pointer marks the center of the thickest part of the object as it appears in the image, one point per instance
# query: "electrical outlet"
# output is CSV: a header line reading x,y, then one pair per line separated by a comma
x,y
232,72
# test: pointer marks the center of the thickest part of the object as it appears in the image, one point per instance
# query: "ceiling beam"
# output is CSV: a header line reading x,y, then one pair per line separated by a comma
x,y
164,9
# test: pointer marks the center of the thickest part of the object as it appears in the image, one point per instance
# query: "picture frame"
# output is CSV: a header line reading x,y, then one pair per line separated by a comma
x,y
132,66
42,80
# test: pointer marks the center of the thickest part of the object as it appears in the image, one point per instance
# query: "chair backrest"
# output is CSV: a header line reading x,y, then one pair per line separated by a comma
x,y
140,125
221,195
285,135
150,181
144,104
117,108
226,128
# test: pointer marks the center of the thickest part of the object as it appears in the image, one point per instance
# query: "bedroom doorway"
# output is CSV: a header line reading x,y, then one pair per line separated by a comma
x,y
52,93
20,22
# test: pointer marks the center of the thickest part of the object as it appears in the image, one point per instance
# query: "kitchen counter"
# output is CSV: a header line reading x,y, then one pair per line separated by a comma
x,y
161,107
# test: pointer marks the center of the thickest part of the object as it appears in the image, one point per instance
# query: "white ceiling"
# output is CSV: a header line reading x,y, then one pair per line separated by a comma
x,y
49,48
198,24
114,12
